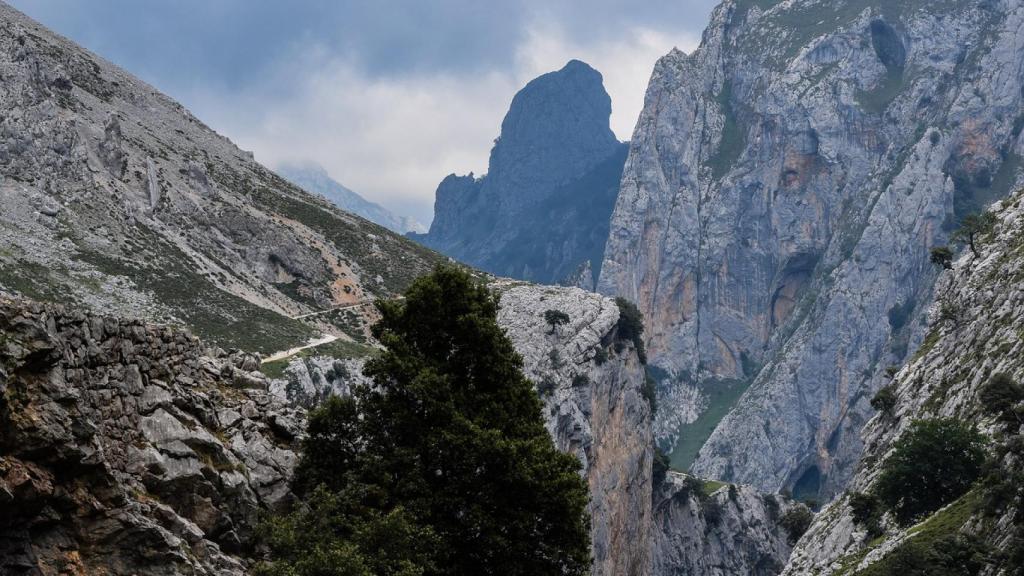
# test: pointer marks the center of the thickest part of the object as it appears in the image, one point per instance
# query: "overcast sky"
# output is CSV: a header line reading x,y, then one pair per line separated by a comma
x,y
389,96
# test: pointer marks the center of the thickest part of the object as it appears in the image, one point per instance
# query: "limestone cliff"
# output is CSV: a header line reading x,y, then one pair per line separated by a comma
x,y
590,383
974,333
784,185
716,529
130,449
543,208
117,199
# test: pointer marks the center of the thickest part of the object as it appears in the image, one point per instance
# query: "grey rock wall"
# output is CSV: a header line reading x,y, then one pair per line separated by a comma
x,y
784,185
127,448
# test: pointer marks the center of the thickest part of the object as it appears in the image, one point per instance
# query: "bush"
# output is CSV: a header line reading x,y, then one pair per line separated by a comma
x,y
796,522
867,512
885,400
650,392
600,355
934,463
952,555
631,326
659,466
555,318
1000,396
942,256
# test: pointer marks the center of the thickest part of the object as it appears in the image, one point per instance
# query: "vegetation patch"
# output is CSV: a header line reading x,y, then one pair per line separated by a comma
x,y
721,396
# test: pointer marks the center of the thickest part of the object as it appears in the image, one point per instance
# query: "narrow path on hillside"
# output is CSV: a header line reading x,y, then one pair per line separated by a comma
x,y
293,351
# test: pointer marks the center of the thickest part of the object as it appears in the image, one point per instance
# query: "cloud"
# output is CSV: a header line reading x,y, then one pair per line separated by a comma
x,y
389,96
393,138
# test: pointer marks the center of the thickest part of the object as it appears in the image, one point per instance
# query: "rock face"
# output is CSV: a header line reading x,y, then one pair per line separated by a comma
x,y
117,199
127,449
590,384
543,208
314,179
718,529
974,333
783,187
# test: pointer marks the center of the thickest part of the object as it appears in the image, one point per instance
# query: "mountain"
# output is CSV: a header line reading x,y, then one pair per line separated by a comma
x,y
973,335
784,185
542,210
314,179
115,198
131,441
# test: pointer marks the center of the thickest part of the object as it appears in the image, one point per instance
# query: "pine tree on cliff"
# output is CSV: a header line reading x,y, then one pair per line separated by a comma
x,y
443,466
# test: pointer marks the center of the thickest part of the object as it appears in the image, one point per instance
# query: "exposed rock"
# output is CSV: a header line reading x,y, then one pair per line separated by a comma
x,y
715,529
590,384
123,449
117,199
784,185
974,333
543,208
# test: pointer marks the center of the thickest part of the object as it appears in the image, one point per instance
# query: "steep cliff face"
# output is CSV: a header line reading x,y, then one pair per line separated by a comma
x,y
543,208
716,529
784,184
129,449
116,198
974,334
590,383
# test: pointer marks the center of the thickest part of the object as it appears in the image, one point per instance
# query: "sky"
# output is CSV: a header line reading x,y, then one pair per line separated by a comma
x,y
389,96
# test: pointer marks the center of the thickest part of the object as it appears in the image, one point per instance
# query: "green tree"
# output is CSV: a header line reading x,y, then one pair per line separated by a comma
x,y
933,463
796,522
885,399
942,256
1000,396
555,318
972,227
631,326
447,446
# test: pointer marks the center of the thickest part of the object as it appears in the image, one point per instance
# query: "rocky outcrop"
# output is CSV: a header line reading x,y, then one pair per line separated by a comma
x,y
117,199
716,529
130,449
590,384
783,187
974,333
543,208
314,179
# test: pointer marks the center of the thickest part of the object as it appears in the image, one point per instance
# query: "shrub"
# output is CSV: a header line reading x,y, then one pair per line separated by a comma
x,y
942,256
796,521
631,326
934,463
867,512
951,555
580,380
1000,396
650,392
600,356
659,466
555,318
885,399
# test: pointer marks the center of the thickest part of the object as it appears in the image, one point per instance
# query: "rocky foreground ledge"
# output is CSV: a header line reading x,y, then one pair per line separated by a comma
x,y
127,448
131,448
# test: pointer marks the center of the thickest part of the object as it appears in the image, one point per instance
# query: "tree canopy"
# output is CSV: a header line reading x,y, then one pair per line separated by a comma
x,y
934,462
443,465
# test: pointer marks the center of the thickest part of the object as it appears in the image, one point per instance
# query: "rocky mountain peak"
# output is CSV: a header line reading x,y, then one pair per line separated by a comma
x,y
543,208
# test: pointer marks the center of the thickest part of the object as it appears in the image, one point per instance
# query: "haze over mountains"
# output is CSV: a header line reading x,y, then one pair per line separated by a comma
x,y
785,216
314,179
